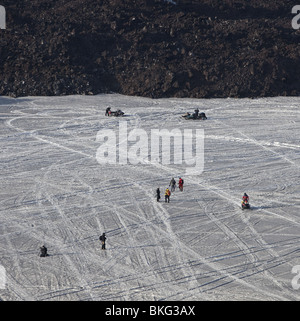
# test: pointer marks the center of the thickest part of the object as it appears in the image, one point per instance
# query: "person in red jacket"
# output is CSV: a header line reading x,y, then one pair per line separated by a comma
x,y
180,183
245,198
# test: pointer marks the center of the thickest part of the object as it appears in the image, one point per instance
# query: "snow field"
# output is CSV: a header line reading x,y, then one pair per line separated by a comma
x,y
200,246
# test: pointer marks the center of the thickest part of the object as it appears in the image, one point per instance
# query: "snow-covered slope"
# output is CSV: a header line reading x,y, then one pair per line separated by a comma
x,y
200,246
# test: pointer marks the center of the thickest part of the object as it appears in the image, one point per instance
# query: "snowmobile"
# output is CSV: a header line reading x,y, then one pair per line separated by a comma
x,y
117,113
245,205
194,116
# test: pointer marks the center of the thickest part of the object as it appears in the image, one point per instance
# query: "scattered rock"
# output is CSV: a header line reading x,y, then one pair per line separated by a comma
x,y
150,48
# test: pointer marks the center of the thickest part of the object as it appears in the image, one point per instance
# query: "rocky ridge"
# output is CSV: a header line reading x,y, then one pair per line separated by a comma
x,y
150,48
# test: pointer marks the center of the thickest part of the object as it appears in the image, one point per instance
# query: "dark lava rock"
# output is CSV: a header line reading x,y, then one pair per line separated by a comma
x,y
208,48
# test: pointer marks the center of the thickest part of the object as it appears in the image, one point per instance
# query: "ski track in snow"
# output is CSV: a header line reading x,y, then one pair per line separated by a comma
x,y
200,246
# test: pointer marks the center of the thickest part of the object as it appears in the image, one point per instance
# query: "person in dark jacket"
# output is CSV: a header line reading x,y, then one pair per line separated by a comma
x,y
107,111
158,194
196,113
102,238
43,251
172,184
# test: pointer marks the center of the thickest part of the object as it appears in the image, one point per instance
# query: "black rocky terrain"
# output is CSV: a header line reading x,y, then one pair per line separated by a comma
x,y
152,48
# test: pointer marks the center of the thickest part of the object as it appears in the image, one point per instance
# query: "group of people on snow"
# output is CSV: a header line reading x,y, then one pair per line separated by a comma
x,y
172,186
44,250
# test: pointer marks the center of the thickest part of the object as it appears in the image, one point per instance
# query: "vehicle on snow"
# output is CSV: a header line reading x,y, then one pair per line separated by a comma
x,y
195,115
245,202
116,113
245,205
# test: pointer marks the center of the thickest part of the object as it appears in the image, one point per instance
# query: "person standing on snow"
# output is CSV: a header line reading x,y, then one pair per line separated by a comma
x,y
102,238
167,195
172,184
158,194
180,183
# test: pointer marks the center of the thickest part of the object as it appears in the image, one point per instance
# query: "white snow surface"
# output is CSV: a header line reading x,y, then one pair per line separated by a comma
x,y
200,246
